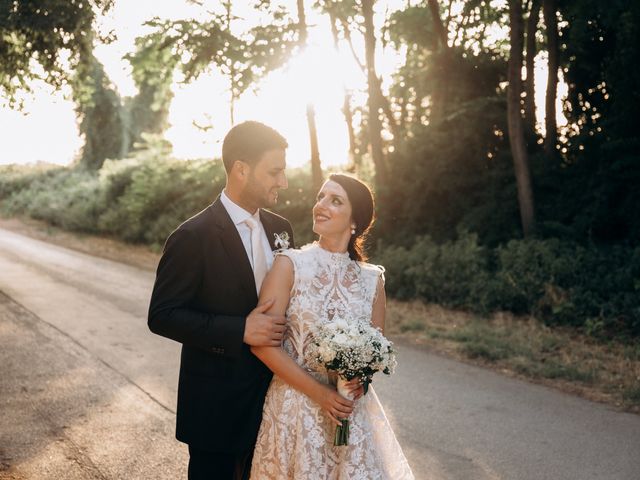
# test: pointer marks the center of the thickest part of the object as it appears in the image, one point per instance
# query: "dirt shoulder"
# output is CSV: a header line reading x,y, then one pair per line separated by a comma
x,y
607,372
137,255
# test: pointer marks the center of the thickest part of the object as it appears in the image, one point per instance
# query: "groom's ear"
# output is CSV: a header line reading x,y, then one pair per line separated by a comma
x,y
240,169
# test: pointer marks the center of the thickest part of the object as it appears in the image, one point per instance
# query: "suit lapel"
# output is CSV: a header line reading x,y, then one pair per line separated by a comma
x,y
232,243
269,228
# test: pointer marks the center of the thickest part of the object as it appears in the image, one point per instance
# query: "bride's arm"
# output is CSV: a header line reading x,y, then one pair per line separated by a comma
x,y
277,286
379,309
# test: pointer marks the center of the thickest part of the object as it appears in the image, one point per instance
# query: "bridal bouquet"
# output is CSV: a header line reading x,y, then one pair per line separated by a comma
x,y
352,350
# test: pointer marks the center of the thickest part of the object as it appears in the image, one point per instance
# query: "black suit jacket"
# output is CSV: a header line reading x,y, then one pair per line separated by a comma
x,y
204,290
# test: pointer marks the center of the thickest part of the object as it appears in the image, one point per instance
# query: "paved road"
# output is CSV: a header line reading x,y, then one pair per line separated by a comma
x,y
87,392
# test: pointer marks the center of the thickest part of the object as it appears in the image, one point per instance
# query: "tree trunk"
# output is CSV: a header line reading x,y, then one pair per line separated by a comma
x,y
549,9
374,124
302,23
514,118
440,95
529,86
354,155
354,158
232,70
438,25
382,100
385,105
316,168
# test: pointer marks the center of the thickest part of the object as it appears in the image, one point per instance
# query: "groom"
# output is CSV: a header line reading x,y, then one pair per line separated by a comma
x,y
205,297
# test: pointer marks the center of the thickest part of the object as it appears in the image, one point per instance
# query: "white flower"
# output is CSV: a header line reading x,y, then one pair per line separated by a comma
x,y
281,240
326,353
340,323
341,339
353,348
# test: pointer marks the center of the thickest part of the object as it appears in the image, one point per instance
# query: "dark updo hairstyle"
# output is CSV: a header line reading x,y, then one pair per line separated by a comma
x,y
248,141
362,212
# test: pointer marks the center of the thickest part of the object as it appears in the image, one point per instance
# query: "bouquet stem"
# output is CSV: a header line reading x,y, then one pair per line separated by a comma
x,y
342,431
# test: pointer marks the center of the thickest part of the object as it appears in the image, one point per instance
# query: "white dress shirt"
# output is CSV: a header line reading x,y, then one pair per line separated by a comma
x,y
238,216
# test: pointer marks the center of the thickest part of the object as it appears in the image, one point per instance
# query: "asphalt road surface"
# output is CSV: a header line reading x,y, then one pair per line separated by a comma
x,y
87,392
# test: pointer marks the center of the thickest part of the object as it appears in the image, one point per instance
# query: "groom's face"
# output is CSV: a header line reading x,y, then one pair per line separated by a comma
x,y
266,178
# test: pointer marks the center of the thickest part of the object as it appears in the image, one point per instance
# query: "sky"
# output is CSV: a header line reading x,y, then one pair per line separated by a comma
x,y
47,129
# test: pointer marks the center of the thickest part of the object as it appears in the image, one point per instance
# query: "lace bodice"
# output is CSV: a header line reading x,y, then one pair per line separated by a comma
x,y
326,285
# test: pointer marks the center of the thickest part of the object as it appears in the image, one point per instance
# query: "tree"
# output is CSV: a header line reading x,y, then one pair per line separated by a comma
x,y
100,114
153,66
439,98
354,156
374,124
516,134
550,13
346,15
52,41
316,167
197,46
529,86
44,40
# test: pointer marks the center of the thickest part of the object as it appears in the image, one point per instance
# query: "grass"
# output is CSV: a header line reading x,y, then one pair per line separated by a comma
x,y
524,347
632,394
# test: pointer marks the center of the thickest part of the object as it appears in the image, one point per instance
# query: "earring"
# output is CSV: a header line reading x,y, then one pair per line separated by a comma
x,y
353,230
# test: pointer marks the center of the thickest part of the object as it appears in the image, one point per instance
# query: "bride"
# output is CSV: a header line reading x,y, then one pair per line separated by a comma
x,y
324,280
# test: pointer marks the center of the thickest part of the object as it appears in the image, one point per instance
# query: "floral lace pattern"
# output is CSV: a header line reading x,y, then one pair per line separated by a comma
x,y
296,437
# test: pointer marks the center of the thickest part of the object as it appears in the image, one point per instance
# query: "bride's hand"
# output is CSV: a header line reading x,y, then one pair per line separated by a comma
x,y
355,388
336,406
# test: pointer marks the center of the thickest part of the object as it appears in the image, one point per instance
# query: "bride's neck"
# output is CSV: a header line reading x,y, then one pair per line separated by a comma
x,y
334,245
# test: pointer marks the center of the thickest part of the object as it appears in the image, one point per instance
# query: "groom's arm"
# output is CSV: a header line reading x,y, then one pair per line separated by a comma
x,y
178,278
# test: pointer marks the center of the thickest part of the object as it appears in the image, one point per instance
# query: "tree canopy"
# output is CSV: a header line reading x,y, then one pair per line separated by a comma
x,y
44,39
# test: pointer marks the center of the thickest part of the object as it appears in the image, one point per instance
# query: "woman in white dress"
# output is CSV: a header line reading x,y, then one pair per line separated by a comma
x,y
321,281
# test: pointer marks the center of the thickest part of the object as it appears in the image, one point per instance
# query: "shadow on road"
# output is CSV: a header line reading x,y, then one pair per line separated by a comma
x,y
65,414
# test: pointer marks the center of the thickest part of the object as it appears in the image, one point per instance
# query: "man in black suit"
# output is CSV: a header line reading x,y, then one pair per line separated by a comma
x,y
205,297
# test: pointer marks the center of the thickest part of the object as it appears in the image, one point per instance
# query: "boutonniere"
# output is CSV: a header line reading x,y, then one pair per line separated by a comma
x,y
281,241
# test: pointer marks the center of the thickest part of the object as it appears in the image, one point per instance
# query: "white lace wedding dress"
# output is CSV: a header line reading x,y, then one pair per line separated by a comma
x,y
295,440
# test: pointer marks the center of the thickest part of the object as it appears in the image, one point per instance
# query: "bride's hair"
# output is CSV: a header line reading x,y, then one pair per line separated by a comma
x,y
362,205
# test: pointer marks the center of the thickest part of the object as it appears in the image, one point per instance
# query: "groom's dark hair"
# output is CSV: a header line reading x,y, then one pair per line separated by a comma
x,y
248,141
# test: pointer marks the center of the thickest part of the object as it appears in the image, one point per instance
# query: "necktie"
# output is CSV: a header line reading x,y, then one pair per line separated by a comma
x,y
257,252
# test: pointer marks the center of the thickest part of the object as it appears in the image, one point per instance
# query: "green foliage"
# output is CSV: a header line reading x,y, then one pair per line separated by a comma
x,y
139,199
440,185
157,195
530,276
15,178
40,32
560,282
100,112
153,66
295,204
450,273
198,46
62,197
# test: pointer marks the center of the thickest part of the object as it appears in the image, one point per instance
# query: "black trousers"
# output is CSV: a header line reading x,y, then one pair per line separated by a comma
x,y
205,465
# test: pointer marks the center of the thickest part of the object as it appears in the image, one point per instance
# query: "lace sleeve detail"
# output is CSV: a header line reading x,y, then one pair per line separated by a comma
x,y
372,275
381,273
379,278
292,255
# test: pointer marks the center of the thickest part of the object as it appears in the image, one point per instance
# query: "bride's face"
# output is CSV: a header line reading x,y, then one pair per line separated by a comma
x,y
332,211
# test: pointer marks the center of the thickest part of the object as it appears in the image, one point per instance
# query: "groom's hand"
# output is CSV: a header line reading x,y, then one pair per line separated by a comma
x,y
262,329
